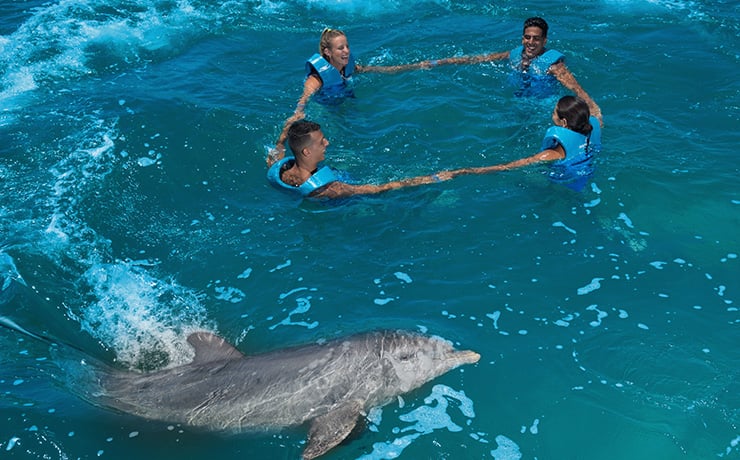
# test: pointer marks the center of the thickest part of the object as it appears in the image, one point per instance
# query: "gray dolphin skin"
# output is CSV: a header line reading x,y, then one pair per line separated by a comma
x,y
326,386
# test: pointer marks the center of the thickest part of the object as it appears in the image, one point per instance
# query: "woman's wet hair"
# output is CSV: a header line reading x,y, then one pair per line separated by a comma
x,y
326,37
575,111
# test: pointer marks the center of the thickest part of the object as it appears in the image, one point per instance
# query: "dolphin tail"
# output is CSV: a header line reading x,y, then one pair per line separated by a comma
x,y
332,428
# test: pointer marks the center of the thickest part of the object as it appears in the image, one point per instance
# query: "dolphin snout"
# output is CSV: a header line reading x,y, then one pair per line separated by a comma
x,y
467,357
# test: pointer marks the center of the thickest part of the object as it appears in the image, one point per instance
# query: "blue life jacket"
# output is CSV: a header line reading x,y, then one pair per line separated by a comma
x,y
576,168
320,178
334,86
534,81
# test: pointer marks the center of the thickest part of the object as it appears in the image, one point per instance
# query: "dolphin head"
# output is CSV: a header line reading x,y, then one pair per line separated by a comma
x,y
418,359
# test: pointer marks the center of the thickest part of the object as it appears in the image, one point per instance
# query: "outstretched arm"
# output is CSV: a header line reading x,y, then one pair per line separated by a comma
x,y
391,68
311,85
567,79
546,155
476,59
435,62
343,189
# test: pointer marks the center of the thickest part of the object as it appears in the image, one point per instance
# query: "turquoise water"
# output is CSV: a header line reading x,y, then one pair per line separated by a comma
x,y
134,209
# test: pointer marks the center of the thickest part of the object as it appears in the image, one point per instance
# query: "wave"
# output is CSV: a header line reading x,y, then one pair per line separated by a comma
x,y
124,305
73,39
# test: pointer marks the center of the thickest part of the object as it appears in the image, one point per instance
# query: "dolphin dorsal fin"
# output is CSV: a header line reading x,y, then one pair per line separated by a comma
x,y
210,347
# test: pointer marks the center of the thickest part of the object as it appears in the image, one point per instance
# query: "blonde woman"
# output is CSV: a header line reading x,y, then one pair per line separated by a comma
x,y
329,79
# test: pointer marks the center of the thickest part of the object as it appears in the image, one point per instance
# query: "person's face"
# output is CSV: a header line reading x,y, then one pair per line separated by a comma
x,y
317,145
533,42
338,52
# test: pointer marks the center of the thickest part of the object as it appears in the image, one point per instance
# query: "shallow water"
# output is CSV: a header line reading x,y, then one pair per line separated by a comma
x,y
134,209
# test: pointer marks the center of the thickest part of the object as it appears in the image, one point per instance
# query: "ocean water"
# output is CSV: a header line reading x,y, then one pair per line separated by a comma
x,y
134,209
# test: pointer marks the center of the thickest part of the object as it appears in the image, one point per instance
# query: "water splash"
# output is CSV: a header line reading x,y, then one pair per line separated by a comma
x,y
145,320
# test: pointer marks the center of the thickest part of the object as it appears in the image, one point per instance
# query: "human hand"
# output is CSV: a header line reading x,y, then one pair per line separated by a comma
x,y
275,154
299,114
599,117
443,176
427,64
595,111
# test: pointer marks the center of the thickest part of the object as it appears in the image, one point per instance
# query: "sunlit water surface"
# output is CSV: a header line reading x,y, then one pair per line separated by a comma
x,y
134,209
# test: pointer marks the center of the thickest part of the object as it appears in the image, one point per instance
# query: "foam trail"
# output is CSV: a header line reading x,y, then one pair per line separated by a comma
x,y
71,39
144,320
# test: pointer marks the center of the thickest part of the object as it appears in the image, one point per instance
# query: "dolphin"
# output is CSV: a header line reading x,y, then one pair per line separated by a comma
x,y
325,386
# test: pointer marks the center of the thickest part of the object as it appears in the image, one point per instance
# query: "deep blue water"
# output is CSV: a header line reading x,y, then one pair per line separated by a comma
x,y
134,209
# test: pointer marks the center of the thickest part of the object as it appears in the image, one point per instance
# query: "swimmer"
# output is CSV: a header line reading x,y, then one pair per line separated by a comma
x,y
302,174
329,78
536,67
569,147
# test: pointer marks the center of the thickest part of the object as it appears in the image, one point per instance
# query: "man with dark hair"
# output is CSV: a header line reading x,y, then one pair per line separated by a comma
x,y
536,68
302,174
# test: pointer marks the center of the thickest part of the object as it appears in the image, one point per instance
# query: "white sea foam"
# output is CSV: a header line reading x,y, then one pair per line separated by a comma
x,y
138,315
590,287
12,443
62,40
302,307
426,419
560,224
600,315
229,294
506,450
366,7
383,301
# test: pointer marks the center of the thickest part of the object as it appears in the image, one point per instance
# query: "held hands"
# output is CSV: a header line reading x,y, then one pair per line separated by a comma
x,y
443,176
278,152
275,154
412,182
597,113
299,114
438,177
